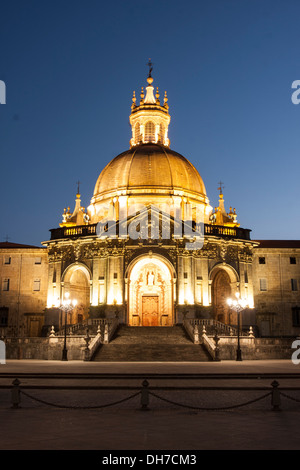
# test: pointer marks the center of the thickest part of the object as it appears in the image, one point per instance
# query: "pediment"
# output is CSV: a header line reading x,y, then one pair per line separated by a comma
x,y
154,224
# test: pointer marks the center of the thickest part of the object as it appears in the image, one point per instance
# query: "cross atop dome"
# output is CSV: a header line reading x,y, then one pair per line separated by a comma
x,y
150,119
150,65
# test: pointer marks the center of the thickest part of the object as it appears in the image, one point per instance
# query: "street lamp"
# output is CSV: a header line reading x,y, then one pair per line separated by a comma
x,y
238,305
66,306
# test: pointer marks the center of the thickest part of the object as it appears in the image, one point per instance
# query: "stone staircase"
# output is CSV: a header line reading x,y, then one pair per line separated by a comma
x,y
151,344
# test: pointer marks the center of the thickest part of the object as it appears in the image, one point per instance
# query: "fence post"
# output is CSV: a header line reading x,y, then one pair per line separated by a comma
x,y
145,395
275,396
217,350
15,394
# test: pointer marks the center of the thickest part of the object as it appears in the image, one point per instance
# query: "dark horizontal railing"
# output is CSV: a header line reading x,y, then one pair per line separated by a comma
x,y
74,232
145,391
227,232
91,230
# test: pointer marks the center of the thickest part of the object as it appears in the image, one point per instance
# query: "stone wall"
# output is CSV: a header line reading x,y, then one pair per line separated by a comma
x,y
256,348
274,297
51,348
23,290
45,348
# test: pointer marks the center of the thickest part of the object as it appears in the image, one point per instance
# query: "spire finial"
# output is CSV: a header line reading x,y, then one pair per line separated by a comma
x,y
78,187
221,187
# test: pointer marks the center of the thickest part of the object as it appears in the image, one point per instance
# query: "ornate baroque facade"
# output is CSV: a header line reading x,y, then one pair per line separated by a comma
x,y
151,250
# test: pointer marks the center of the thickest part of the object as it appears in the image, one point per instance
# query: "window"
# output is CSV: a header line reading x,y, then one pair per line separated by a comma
x,y
115,275
37,285
296,316
263,284
262,260
292,260
3,316
7,259
185,275
137,133
6,284
294,284
149,132
38,260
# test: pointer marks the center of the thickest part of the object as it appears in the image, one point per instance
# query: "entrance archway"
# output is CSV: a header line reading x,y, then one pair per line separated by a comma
x,y
76,281
224,284
221,290
150,293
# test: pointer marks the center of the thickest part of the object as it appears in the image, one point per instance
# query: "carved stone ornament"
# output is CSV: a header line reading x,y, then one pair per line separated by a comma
x,y
223,251
77,251
92,250
56,253
232,253
209,250
246,255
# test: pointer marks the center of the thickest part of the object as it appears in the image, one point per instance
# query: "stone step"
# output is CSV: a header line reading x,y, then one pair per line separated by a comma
x,y
150,335
152,353
151,344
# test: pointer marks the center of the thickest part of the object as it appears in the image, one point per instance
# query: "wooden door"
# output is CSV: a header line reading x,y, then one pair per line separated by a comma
x,y
150,310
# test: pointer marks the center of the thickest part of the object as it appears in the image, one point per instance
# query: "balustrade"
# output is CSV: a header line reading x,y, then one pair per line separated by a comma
x,y
91,230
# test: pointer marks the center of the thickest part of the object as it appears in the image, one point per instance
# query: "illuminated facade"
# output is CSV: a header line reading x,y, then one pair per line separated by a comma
x,y
150,246
150,249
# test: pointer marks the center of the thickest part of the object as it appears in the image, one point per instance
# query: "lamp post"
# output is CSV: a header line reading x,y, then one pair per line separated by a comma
x,y
238,305
66,306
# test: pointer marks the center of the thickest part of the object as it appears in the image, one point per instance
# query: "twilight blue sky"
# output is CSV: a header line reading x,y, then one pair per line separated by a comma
x,y
70,67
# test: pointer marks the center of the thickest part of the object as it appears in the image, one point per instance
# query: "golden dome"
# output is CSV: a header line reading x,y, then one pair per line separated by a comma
x,y
149,168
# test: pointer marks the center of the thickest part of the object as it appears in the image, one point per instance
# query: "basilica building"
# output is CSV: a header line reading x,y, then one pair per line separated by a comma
x,y
150,250
149,246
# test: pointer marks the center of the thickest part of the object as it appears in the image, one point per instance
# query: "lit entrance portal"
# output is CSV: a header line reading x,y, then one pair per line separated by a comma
x,y
76,283
150,293
221,291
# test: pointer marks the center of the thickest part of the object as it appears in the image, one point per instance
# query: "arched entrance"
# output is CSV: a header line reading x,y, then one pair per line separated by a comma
x,y
224,283
150,292
76,281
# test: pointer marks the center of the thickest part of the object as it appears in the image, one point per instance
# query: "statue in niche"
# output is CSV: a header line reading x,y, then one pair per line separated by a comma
x,y
150,280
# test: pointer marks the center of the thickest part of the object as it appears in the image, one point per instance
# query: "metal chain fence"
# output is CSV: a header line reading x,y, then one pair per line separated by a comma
x,y
211,409
80,407
145,392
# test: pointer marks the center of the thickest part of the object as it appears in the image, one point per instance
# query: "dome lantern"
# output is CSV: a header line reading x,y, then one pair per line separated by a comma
x,y
149,120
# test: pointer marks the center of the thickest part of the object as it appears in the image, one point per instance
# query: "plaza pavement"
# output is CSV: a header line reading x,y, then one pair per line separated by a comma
x,y
38,426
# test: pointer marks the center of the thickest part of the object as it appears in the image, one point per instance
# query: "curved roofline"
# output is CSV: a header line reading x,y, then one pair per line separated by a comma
x,y
133,153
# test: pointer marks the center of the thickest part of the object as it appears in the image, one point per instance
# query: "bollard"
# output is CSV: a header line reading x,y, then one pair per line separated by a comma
x,y
275,396
15,394
145,396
